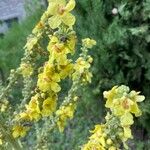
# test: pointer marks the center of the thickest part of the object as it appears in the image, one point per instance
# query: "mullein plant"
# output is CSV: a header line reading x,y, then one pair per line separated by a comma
x,y
40,110
40,105
114,133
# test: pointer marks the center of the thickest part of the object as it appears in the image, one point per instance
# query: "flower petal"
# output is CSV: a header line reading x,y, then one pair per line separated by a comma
x,y
135,109
70,6
68,19
52,8
54,21
140,98
55,87
126,119
127,132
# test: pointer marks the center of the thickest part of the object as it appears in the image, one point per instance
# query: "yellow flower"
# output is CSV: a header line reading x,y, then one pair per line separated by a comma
x,y
97,135
81,65
126,119
32,110
109,95
19,131
136,98
87,76
48,80
88,43
109,141
127,132
49,106
65,70
59,49
60,12
31,42
81,68
24,116
112,148
92,146
64,113
120,101
26,69
38,27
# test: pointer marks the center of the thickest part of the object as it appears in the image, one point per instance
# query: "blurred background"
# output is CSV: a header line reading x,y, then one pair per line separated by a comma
x,y
122,56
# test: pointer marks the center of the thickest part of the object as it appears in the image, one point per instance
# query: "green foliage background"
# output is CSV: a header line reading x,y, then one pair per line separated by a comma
x,y
122,56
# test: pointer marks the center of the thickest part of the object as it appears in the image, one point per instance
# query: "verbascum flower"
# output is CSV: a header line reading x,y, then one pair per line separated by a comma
x,y
26,69
81,68
65,70
49,106
59,49
121,101
19,131
32,111
109,95
38,27
88,43
60,12
81,65
97,140
31,42
63,114
127,133
93,146
48,79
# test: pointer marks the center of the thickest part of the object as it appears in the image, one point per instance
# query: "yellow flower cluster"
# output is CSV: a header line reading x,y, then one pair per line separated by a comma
x,y
88,43
80,75
19,131
123,104
65,113
59,66
83,63
81,68
26,69
99,140
48,79
60,12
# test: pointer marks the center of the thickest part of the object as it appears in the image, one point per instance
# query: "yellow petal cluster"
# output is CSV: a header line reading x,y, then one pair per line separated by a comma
x,y
19,131
61,46
60,12
123,104
26,69
65,70
63,114
49,106
48,79
81,68
88,43
32,110
99,140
